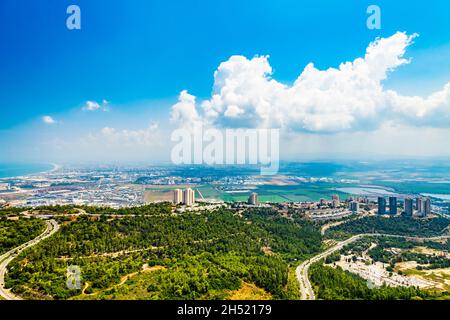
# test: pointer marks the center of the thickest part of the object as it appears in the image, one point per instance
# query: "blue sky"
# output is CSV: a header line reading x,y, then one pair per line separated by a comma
x,y
140,54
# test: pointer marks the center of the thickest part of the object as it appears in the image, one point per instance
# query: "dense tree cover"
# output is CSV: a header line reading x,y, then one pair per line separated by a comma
x,y
11,211
380,253
335,256
431,261
203,253
392,225
163,208
402,243
293,237
336,284
209,276
358,247
16,232
438,245
57,209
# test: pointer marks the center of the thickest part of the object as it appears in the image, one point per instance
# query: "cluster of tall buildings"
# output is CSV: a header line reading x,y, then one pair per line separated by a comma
x,y
422,207
382,207
186,197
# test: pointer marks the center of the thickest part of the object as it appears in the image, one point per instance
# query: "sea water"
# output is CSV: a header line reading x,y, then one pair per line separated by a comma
x,y
8,170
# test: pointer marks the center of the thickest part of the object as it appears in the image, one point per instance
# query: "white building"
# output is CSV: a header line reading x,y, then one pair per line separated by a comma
x,y
335,197
177,196
4,186
188,197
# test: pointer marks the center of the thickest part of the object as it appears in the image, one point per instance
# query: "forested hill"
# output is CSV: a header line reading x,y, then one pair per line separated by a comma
x,y
336,284
390,225
199,256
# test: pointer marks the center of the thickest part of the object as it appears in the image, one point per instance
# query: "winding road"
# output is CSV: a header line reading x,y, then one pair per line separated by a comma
x,y
5,259
306,290
327,226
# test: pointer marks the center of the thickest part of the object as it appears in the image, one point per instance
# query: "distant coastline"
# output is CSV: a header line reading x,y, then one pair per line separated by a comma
x,y
56,167
11,170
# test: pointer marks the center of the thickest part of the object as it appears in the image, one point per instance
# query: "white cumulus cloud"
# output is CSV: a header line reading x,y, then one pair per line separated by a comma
x,y
184,112
48,120
350,97
91,106
94,105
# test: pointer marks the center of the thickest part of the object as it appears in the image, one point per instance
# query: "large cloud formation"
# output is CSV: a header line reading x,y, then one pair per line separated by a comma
x,y
349,98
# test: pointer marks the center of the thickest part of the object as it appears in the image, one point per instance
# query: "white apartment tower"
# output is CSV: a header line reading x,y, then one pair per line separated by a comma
x,y
177,196
189,197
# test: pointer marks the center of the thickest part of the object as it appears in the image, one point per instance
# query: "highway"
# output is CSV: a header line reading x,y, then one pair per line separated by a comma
x,y
306,290
5,259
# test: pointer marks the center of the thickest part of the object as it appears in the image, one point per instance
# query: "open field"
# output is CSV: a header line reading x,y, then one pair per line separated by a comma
x,y
440,277
249,291
430,251
131,287
267,193
138,286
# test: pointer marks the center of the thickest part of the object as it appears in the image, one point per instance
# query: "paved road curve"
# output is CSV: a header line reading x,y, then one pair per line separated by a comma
x,y
306,290
5,259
